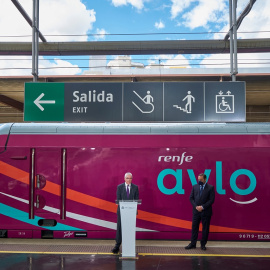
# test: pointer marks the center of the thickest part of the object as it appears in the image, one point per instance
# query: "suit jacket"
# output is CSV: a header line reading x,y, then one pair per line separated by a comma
x,y
206,200
121,193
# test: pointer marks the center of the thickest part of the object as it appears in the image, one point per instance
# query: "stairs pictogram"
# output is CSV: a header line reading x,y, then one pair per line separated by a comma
x,y
181,109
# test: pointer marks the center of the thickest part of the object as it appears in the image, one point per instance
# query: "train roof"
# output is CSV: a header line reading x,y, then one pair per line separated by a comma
x,y
135,128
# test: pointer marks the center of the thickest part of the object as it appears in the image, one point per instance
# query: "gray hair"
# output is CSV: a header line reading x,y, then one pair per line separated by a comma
x,y
128,173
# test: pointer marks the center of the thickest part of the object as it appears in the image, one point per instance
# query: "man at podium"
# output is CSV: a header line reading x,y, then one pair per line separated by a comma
x,y
125,191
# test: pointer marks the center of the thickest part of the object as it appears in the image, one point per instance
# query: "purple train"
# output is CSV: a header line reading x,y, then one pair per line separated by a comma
x,y
59,180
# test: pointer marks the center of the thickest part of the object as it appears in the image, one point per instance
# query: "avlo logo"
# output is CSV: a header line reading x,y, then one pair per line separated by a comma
x,y
178,188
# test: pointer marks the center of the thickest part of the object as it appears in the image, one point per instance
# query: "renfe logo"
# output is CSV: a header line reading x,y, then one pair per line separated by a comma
x,y
180,159
178,188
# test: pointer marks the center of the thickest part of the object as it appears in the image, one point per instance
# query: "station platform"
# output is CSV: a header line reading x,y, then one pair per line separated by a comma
x,y
96,254
143,247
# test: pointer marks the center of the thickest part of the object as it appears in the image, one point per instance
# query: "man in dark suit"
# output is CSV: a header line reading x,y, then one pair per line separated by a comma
x,y
125,191
202,197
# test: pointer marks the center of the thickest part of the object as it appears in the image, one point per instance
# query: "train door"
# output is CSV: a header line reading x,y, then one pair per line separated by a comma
x,y
47,185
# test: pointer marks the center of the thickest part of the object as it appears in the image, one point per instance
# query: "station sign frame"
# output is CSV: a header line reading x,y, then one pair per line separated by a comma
x,y
135,102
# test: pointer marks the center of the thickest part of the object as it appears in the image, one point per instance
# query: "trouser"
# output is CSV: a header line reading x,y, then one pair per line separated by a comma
x,y
196,219
118,238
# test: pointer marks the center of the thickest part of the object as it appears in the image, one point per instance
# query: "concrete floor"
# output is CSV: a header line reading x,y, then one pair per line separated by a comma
x,y
154,243
82,254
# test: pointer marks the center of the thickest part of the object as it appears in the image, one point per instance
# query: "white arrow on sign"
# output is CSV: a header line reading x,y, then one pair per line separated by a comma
x,y
38,101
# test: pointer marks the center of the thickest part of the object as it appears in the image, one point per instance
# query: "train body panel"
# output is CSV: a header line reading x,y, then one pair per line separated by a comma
x,y
75,173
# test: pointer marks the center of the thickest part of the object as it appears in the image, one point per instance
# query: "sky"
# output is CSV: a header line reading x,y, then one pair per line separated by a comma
x,y
126,20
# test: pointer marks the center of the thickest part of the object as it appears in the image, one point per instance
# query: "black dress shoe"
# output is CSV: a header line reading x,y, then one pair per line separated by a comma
x,y
115,250
190,246
203,248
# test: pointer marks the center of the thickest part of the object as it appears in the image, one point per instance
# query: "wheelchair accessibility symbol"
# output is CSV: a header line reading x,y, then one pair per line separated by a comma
x,y
224,103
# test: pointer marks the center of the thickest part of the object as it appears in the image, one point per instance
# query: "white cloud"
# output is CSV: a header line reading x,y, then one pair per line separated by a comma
x,y
100,34
139,4
216,61
58,67
257,20
178,61
170,61
159,25
61,17
245,60
207,11
178,6
214,15
22,66
241,4
118,3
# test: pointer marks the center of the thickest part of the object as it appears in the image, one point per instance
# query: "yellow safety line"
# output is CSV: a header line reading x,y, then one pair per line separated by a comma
x,y
141,254
203,255
58,252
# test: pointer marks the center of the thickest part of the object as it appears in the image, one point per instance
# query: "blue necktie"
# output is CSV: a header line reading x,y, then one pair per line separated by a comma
x,y
201,190
127,191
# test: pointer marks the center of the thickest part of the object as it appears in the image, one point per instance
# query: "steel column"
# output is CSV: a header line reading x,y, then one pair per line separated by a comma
x,y
32,184
235,68
35,39
63,184
233,39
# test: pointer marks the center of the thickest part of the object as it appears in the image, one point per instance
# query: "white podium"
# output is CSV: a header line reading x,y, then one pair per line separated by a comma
x,y
128,212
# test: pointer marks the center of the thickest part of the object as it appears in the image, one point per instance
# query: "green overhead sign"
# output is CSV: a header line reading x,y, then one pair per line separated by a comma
x,y
44,102
136,102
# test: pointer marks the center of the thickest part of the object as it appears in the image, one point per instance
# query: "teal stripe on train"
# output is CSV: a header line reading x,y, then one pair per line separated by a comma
x,y
24,217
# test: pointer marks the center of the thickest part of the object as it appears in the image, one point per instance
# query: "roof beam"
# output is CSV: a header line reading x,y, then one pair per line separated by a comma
x,y
27,18
135,47
11,102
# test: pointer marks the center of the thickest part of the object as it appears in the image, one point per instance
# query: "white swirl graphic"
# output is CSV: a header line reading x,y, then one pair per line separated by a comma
x,y
247,202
